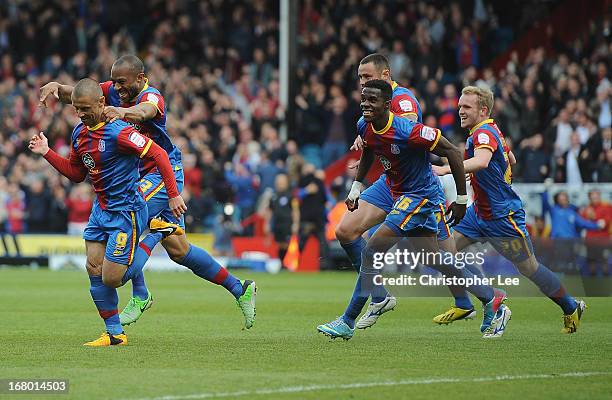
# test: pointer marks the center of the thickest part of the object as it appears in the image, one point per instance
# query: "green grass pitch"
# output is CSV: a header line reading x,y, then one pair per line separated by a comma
x,y
190,344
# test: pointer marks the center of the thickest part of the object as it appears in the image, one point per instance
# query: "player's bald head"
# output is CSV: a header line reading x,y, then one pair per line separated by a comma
x,y
87,89
131,63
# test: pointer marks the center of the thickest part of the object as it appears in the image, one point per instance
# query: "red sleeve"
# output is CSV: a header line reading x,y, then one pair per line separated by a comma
x,y
162,162
105,86
72,167
130,141
424,137
404,105
155,100
484,139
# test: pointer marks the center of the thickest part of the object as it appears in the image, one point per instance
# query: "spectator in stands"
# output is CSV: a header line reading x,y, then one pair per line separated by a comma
x,y
57,219
572,166
38,201
339,129
16,210
532,160
566,227
598,241
79,204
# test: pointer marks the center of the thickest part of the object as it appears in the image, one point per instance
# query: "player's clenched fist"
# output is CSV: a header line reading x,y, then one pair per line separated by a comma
x,y
352,200
456,212
39,144
177,206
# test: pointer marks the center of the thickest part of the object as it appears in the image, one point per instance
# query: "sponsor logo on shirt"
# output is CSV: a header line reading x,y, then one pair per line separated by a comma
x,y
88,161
385,163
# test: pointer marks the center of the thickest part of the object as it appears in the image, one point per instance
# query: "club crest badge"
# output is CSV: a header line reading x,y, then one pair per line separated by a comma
x,y
101,146
395,148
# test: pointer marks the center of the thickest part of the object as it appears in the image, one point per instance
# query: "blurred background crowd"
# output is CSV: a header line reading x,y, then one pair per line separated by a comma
x,y
216,63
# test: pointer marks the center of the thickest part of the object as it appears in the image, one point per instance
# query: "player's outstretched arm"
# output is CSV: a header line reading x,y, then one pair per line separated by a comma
x,y
444,148
57,90
480,161
72,167
138,113
365,163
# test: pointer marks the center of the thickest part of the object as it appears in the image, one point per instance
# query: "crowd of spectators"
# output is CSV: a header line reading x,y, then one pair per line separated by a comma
x,y
216,63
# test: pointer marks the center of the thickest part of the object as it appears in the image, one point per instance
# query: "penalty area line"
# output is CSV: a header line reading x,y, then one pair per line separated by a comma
x,y
360,385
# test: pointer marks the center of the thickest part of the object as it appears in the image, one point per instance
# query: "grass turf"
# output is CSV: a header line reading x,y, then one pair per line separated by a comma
x,y
191,342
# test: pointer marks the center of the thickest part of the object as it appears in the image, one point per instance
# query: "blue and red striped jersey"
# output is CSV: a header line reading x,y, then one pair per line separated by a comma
x,y
111,153
403,148
404,102
493,193
154,128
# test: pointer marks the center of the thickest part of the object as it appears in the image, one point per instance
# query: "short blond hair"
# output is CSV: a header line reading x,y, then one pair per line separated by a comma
x,y
485,96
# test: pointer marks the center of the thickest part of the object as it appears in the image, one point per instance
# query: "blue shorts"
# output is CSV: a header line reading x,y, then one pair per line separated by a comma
x,y
379,195
409,214
154,191
507,234
120,230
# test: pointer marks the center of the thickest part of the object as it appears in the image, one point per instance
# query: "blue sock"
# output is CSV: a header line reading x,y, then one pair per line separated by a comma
x,y
141,256
139,287
354,250
106,300
204,266
355,305
551,286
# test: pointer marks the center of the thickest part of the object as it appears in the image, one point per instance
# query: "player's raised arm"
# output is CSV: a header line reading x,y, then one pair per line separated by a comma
x,y
57,90
365,163
130,141
72,167
444,148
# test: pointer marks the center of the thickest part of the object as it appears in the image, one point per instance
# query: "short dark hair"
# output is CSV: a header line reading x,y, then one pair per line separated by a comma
x,y
87,87
380,61
383,86
134,63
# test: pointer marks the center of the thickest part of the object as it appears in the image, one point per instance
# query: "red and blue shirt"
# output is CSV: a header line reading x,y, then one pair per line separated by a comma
x,y
403,147
493,194
111,154
154,128
404,102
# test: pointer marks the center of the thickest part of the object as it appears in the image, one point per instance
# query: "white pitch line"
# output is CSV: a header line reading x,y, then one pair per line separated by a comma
x,y
424,381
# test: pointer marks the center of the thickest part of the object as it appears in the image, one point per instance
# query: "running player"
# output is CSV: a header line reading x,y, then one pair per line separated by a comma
x,y
403,147
129,97
497,214
109,154
377,201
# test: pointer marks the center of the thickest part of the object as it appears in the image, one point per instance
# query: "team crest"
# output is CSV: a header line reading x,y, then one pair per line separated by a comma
x,y
395,148
88,161
385,163
101,146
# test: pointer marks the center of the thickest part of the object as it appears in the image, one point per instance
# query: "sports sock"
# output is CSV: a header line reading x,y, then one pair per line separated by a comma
x,y
141,255
139,287
204,266
354,252
106,300
355,305
551,286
